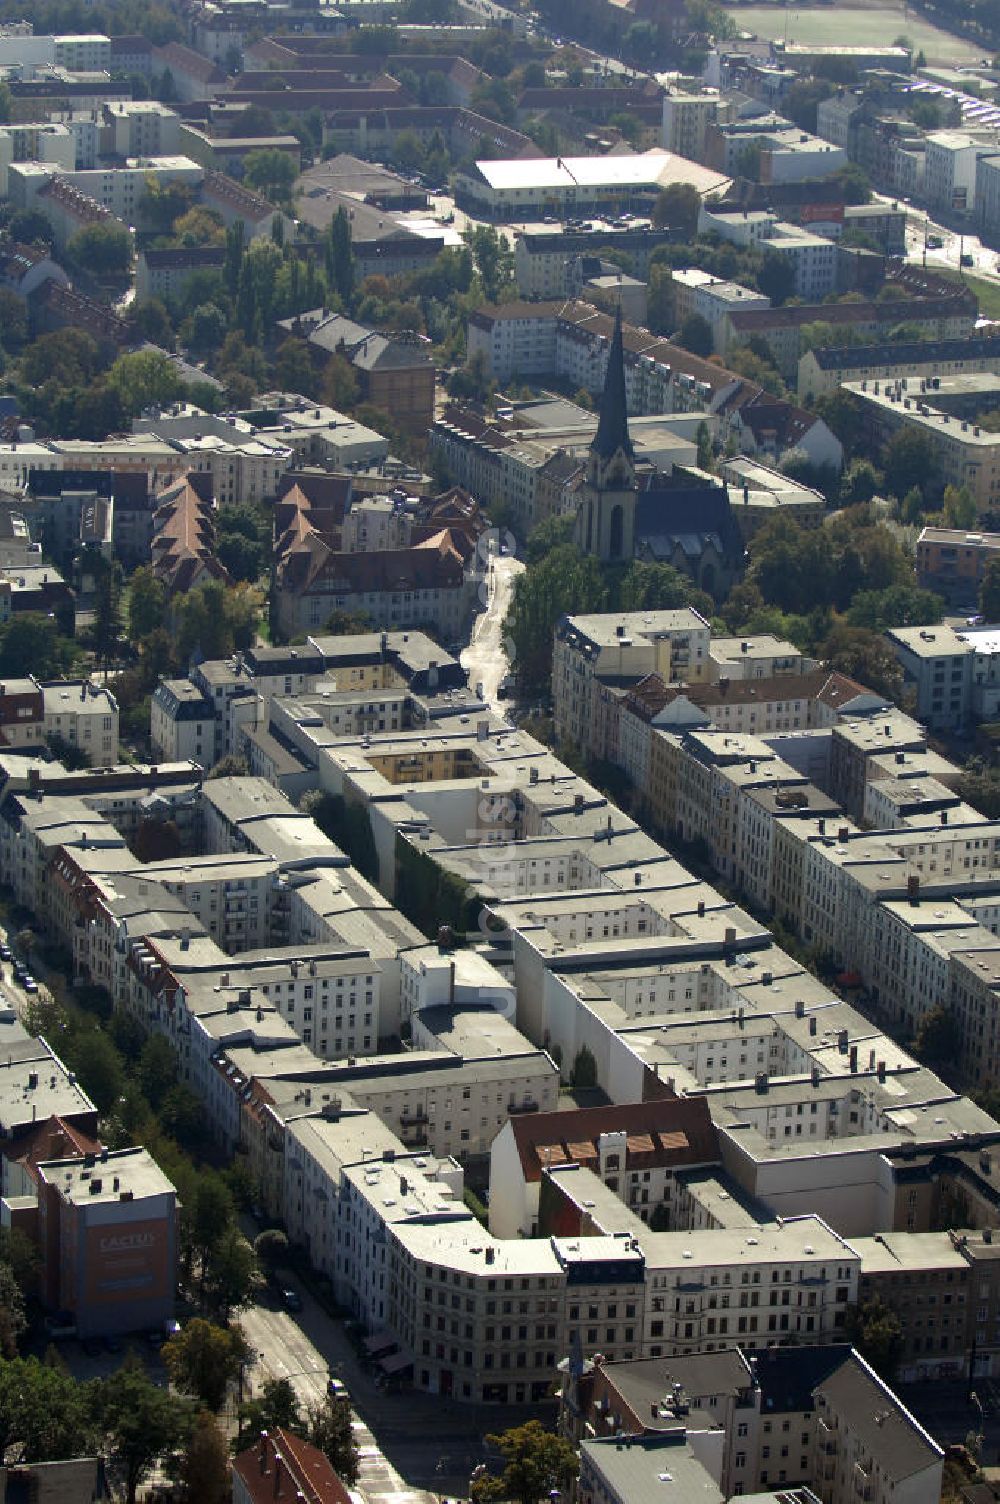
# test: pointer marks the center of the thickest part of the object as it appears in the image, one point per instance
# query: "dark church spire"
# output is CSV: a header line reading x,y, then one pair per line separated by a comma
x,y
612,424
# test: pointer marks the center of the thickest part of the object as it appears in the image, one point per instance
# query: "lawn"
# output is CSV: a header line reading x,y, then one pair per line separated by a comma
x,y
986,291
864,26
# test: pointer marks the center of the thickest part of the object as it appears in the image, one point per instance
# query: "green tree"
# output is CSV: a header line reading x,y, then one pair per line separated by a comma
x,y
551,533
13,321
646,586
938,1039
140,1422
144,378
152,321
293,367
494,260
536,1462
276,1405
329,1428
339,255
877,1333
271,172
271,1246
205,328
776,278
859,483
959,507
32,644
203,1359
747,363
989,590
677,207
866,657
232,1269
98,1065
911,461
157,1069
147,603
106,631
565,580
31,227
199,226
104,248
695,334
12,1313
205,1470
899,606
340,384
583,1076
44,1413
660,300
66,355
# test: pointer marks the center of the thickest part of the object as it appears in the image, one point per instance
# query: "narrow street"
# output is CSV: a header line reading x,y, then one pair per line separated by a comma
x,y
484,659
426,1446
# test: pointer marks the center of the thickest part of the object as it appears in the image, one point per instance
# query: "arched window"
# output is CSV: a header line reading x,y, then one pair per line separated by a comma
x,y
616,534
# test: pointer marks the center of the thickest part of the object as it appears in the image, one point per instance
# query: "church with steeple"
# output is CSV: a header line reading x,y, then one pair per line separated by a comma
x,y
605,519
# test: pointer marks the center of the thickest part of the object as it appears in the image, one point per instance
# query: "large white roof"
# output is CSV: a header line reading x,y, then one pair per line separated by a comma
x,y
656,168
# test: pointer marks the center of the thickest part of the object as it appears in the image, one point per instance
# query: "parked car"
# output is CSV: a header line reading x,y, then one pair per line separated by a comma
x,y
967,258
934,242
6,954
337,1390
29,984
291,1299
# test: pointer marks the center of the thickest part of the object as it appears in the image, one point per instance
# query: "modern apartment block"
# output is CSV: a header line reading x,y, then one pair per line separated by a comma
x,y
952,562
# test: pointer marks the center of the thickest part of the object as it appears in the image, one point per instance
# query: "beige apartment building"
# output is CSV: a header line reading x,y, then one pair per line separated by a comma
x,y
968,455
619,650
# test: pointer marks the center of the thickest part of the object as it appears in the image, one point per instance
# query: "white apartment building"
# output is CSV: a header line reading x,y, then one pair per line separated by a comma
x,y
140,128
713,299
232,896
686,118
182,723
950,167
50,143
432,976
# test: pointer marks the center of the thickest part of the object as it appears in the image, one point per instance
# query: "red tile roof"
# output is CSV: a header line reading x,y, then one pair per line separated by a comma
x,y
281,1468
682,1127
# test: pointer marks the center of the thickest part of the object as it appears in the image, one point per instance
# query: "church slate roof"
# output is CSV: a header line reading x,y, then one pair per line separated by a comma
x,y
612,424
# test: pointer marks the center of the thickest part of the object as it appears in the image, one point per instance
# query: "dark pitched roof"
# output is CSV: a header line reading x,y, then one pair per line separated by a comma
x,y
651,694
908,352
668,515
612,423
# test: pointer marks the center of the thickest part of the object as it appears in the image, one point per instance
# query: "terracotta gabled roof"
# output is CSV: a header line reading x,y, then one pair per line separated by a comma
x,y
281,1468
183,546
652,694
680,1128
53,1139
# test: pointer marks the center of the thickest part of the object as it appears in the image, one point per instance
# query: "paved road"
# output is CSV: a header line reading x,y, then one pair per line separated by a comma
x,y
306,1350
484,659
415,1448
953,246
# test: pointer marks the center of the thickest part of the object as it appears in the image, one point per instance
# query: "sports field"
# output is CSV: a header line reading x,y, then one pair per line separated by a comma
x,y
863,25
